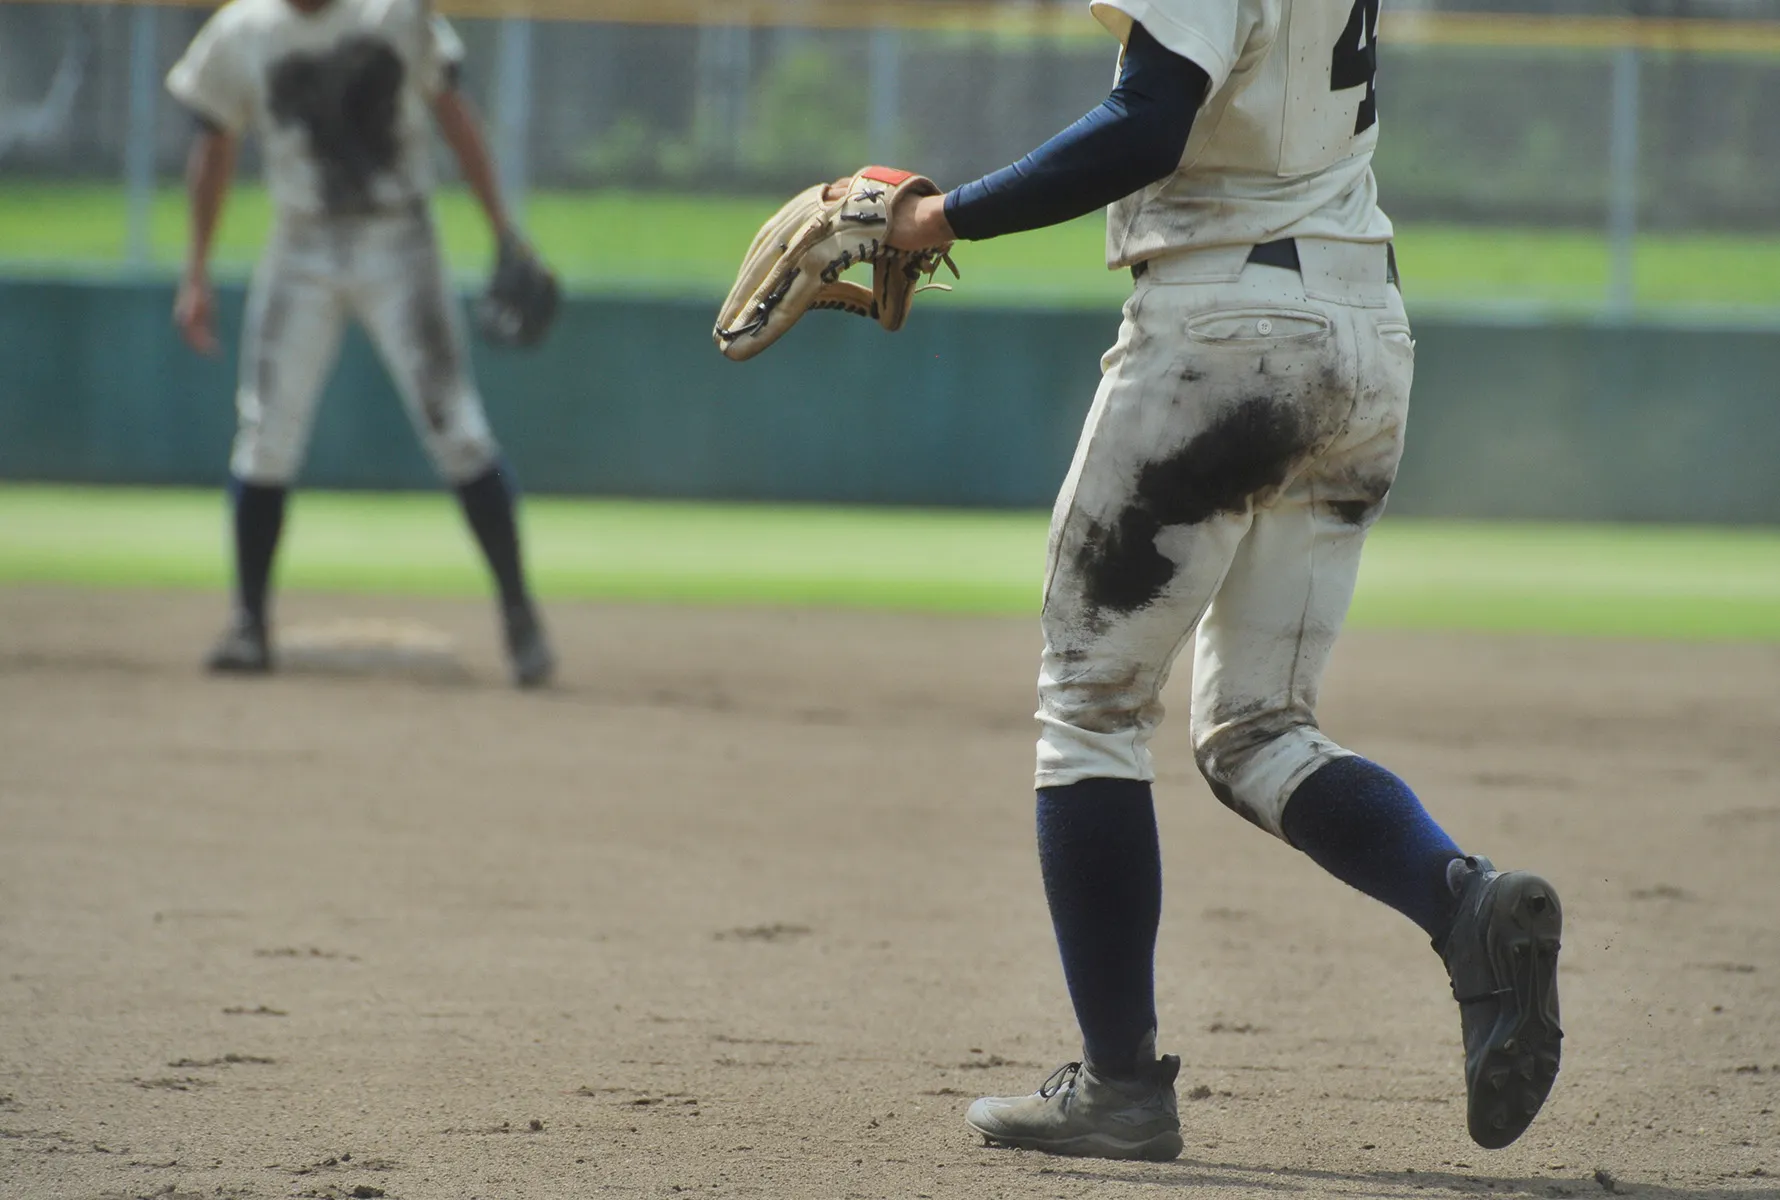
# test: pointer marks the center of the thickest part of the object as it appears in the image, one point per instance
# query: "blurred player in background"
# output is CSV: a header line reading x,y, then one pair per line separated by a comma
x,y
339,92
1244,438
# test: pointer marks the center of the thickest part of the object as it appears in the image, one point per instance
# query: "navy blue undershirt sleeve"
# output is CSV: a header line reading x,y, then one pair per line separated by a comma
x,y
1134,138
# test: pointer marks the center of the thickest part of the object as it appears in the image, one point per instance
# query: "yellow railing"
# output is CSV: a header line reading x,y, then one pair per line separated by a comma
x,y
1645,33
1418,28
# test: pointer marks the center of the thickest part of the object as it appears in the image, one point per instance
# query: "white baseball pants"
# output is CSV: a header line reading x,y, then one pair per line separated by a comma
x,y
386,270
1246,431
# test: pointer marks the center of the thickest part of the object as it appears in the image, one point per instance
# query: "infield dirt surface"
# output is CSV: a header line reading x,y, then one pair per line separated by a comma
x,y
748,906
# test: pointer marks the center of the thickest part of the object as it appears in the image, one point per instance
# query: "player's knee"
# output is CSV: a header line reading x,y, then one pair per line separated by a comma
x,y
462,451
1095,725
1103,702
264,461
1252,764
459,462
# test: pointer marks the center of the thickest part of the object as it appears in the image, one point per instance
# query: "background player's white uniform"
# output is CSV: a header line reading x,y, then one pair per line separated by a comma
x,y
1250,418
340,98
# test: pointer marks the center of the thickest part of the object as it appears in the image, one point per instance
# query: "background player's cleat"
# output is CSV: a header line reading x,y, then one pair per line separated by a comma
x,y
243,650
1078,1112
528,650
1502,958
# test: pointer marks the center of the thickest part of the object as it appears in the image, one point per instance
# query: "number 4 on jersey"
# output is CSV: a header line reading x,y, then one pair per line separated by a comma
x,y
1355,61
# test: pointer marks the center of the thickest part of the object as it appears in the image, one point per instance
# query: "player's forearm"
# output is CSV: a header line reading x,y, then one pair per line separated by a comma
x,y
210,167
1130,141
463,133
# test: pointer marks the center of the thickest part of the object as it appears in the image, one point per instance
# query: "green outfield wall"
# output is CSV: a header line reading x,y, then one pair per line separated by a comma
x,y
964,407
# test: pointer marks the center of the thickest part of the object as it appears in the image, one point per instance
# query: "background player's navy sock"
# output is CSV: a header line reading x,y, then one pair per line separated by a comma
x,y
1102,865
1364,826
259,519
488,503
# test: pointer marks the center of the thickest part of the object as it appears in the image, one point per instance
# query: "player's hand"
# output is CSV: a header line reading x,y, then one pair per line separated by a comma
x,y
919,223
194,311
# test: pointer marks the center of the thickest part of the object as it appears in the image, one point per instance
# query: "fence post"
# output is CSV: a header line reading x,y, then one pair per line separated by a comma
x,y
1622,182
513,110
885,58
139,136
720,102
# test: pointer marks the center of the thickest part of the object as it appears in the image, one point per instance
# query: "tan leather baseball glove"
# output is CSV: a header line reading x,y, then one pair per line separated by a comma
x,y
796,261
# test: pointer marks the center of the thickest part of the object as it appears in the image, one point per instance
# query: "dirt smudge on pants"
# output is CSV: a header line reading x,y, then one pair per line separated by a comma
x,y
1251,447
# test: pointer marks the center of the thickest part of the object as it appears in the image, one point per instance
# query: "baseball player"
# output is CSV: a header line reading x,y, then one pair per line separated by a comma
x,y
339,92
1243,439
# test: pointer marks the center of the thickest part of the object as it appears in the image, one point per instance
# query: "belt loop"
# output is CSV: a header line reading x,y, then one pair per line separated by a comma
x,y
1345,272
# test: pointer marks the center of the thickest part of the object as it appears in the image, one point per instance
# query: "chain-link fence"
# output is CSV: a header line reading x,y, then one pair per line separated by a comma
x,y
1588,122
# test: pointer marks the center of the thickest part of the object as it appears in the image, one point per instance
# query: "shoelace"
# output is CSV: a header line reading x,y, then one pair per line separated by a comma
x,y
1064,1076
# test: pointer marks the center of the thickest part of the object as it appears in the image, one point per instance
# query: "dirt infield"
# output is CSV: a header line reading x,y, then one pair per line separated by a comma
x,y
748,907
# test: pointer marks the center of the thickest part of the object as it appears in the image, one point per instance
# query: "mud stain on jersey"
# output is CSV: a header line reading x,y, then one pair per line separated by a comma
x,y
348,101
1250,448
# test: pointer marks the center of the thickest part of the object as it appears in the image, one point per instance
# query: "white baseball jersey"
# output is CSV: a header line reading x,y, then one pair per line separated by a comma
x,y
1281,147
339,96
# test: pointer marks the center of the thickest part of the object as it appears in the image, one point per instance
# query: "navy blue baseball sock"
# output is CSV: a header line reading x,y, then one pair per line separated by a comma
x,y
488,504
1102,866
259,519
1364,826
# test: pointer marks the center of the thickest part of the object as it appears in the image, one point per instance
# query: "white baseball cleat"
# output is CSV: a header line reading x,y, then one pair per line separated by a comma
x,y
1078,1112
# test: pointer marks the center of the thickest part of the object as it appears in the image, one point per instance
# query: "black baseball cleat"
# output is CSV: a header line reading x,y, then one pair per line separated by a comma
x,y
243,650
1501,955
528,650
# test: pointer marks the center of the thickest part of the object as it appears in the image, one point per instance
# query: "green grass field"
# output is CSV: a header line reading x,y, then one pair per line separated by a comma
x,y
686,245
1663,582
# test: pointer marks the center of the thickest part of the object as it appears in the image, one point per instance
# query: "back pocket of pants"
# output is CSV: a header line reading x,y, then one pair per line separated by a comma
x,y
1397,337
1258,326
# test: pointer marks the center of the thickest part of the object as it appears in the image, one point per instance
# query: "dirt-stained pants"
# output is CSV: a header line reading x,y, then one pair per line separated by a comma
x,y
1245,434
385,270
